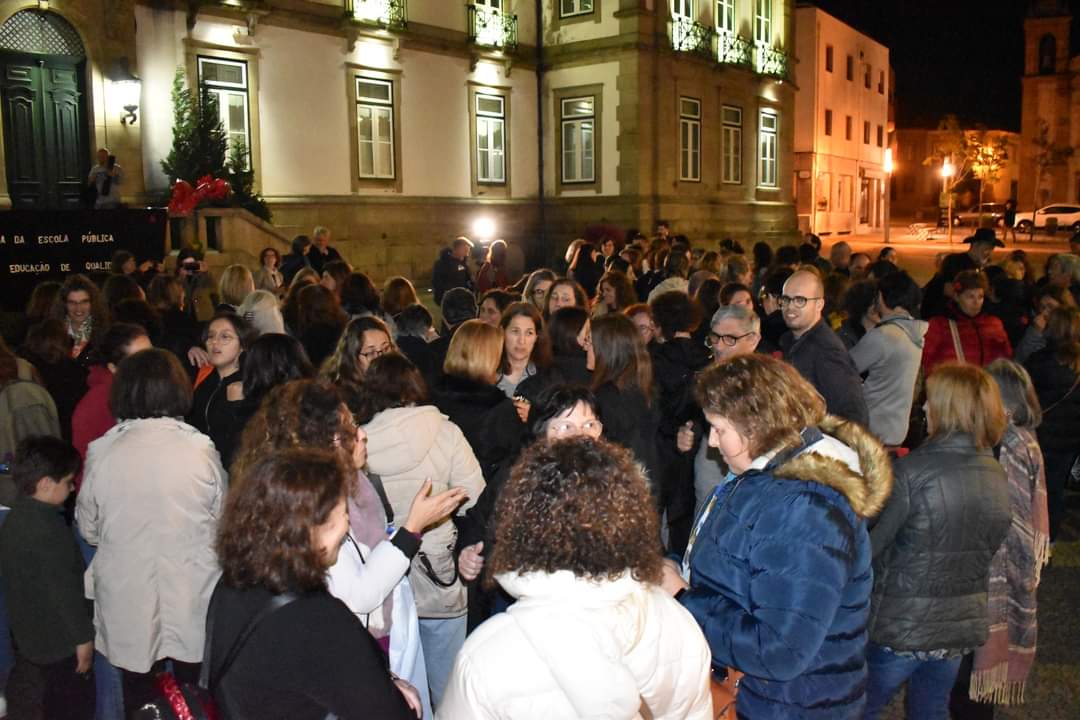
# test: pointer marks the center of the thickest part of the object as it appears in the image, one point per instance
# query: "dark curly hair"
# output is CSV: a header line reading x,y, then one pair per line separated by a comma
x,y
266,539
300,413
580,505
674,311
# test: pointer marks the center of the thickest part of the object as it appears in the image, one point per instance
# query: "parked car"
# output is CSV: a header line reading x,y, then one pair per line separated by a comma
x,y
1068,218
986,214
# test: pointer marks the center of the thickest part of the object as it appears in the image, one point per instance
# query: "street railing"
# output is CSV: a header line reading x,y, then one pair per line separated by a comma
x,y
734,49
773,62
692,37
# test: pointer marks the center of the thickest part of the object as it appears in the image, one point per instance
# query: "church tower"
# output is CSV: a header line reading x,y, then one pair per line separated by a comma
x,y
1047,99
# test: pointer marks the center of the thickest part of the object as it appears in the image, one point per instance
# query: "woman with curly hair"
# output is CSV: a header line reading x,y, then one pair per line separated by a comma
x,y
591,633
81,307
777,571
614,293
307,655
365,339
369,575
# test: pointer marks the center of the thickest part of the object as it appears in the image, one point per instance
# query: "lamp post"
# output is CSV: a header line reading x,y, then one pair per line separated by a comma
x,y
888,166
947,171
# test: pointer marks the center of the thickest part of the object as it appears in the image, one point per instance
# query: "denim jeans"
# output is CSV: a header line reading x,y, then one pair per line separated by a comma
x,y
110,695
929,683
441,638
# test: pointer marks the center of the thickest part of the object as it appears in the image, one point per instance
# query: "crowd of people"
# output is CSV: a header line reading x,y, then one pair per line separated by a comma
x,y
661,480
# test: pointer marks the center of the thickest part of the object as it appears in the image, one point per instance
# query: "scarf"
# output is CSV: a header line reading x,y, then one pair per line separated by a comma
x,y
367,522
1002,665
80,335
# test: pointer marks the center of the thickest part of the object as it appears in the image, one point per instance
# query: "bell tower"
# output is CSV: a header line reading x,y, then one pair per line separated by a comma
x,y
1046,101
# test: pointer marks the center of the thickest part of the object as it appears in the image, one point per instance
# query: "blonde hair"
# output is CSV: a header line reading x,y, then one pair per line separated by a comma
x,y
963,398
475,352
235,284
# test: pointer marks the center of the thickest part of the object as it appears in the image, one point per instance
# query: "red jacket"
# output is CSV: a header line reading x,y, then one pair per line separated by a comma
x,y
982,338
92,417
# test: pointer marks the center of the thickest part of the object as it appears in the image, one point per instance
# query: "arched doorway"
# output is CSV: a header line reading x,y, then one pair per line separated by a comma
x,y
43,103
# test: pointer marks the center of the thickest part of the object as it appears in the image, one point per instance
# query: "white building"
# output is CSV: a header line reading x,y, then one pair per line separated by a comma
x,y
842,125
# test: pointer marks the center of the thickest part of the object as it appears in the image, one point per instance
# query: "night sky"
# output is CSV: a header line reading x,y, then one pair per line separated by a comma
x,y
950,56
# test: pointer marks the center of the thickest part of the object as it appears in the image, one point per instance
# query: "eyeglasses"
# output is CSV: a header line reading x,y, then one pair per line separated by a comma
x,y
798,301
565,428
712,339
370,355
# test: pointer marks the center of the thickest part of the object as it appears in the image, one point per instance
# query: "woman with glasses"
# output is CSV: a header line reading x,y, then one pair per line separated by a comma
x,y
217,397
412,446
364,339
536,287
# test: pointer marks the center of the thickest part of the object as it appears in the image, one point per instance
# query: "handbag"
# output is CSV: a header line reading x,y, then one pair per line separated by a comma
x,y
724,694
184,701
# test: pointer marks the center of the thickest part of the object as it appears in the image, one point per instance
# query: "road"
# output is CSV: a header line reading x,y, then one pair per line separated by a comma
x,y
917,255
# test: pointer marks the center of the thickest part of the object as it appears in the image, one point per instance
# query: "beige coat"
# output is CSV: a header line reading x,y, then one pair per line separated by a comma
x,y
150,501
571,647
405,446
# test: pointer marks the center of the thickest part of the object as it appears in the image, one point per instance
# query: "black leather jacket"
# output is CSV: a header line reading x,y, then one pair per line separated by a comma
x,y
933,542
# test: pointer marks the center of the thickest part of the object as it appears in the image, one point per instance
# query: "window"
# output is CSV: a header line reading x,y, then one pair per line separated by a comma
x,y
490,139
850,68
828,122
880,136
578,139
725,16
731,118
689,139
1047,55
375,127
848,123
844,191
763,22
866,77
881,83
768,126
828,58
227,81
570,8
866,132
682,9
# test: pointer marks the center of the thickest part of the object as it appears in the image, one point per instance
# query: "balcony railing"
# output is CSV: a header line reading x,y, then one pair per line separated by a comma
x,y
734,49
384,13
492,28
689,36
772,62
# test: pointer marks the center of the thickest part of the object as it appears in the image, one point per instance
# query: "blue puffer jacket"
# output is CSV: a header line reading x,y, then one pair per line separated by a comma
x,y
780,576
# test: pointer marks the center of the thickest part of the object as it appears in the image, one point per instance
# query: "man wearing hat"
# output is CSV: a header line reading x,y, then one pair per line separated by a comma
x,y
939,291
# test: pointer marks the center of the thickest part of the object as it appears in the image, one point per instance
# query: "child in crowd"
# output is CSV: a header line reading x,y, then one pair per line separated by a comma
x,y
42,574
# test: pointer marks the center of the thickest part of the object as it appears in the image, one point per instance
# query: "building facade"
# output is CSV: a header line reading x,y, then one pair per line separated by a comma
x,y
401,124
1050,172
842,126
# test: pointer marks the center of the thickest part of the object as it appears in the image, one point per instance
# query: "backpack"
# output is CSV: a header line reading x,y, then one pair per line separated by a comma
x,y
26,409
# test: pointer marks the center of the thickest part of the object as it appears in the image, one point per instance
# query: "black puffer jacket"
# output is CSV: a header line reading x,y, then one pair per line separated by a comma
x,y
1059,396
487,418
946,517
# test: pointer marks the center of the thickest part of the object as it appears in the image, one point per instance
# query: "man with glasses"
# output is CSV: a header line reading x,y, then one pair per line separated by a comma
x,y
815,350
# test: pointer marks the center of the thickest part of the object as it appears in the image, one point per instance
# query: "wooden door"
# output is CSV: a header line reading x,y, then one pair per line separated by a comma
x,y
45,129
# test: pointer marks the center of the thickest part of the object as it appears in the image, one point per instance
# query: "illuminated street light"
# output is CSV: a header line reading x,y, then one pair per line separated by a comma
x,y
947,171
888,166
484,229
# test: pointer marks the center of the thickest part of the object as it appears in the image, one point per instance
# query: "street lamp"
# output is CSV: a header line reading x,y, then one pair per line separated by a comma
x,y
947,171
888,166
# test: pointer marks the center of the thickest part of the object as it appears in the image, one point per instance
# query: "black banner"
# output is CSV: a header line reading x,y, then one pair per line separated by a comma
x,y
37,245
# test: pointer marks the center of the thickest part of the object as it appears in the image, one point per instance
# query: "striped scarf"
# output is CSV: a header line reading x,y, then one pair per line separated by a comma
x,y
1002,665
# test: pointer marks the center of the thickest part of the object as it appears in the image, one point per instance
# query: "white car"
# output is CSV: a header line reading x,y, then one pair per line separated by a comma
x,y
1068,218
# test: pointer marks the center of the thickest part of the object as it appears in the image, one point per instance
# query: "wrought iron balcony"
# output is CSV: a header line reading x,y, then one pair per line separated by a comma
x,y
734,49
691,37
384,13
772,62
492,28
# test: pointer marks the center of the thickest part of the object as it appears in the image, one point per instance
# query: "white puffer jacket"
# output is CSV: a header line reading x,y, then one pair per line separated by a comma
x,y
575,648
405,447
151,499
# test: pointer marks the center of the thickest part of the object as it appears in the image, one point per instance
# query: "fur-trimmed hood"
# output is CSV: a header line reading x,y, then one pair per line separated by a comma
x,y
866,489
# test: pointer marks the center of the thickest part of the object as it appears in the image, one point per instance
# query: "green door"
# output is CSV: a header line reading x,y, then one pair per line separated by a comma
x,y
45,129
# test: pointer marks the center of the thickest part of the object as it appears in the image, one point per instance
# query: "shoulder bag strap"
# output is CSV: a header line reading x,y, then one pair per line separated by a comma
x,y
958,348
1064,397
276,603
